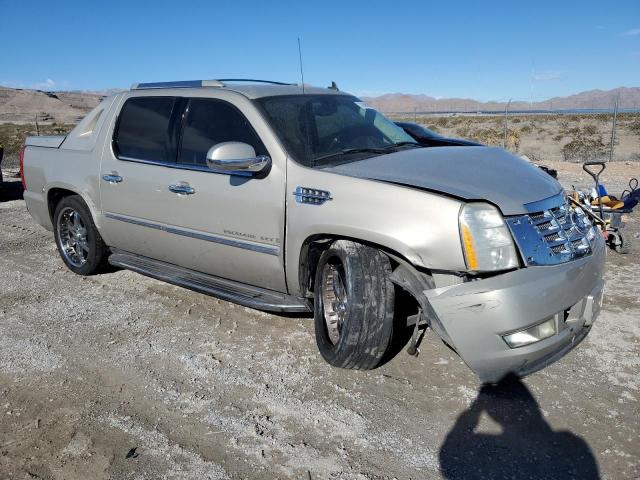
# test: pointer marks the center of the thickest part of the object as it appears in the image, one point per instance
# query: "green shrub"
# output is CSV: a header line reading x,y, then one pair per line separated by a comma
x,y
583,149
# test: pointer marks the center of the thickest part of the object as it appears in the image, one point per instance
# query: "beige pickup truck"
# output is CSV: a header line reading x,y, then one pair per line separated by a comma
x,y
295,199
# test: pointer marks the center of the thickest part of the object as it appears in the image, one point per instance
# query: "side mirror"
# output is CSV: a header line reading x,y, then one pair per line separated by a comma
x,y
236,158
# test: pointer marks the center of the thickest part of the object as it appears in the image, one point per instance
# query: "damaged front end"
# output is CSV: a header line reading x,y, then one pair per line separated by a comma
x,y
521,320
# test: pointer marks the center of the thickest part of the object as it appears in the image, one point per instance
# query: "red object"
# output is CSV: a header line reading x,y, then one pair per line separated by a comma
x,y
24,184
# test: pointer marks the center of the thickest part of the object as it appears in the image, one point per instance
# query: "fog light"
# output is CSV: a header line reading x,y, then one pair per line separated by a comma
x,y
532,334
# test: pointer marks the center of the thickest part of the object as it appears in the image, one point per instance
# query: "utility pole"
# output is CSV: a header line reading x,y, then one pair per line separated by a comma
x,y
506,110
613,127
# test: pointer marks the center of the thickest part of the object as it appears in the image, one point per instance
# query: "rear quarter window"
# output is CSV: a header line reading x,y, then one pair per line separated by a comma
x,y
144,129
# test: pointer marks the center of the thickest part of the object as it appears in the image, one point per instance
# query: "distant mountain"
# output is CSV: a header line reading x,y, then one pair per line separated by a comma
x,y
21,105
18,105
592,99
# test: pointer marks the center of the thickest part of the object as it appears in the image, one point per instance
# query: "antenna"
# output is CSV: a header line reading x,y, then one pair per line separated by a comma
x,y
300,59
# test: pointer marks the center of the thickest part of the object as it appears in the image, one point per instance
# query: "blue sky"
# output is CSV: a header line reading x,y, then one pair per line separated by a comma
x,y
484,50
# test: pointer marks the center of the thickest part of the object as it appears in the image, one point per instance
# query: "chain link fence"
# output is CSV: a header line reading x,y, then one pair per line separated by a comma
x,y
543,136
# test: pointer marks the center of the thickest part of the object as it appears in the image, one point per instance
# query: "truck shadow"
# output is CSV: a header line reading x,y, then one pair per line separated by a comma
x,y
527,447
10,191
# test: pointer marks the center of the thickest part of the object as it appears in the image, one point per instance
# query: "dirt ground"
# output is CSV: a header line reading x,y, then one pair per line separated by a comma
x,y
120,376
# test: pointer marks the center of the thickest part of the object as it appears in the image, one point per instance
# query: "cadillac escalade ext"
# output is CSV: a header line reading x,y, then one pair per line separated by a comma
x,y
289,198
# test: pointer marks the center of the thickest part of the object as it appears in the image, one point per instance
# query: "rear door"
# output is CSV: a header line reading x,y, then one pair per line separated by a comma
x,y
131,178
161,200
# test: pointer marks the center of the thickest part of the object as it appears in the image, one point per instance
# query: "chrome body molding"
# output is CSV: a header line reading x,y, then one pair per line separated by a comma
x,y
179,166
311,196
268,249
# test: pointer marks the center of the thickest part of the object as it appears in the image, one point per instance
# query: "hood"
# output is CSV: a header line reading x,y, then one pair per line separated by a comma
x,y
469,173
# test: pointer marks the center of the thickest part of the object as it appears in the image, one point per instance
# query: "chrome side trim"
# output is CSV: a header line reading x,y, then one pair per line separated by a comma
x,y
186,166
178,166
268,249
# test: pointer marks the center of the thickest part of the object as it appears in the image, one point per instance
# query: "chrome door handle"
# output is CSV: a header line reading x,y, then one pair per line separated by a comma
x,y
112,178
182,189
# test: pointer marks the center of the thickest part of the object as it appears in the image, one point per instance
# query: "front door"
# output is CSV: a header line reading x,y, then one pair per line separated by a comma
x,y
160,200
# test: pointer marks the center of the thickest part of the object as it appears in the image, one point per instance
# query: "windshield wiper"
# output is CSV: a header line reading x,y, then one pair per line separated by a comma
x,y
402,144
349,151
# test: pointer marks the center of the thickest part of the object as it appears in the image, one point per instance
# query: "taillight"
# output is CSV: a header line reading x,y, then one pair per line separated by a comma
x,y
24,184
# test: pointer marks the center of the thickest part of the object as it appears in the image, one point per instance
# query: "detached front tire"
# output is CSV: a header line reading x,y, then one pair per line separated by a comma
x,y
354,305
79,243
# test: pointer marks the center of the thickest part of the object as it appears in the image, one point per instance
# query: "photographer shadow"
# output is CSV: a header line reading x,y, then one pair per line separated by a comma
x,y
527,447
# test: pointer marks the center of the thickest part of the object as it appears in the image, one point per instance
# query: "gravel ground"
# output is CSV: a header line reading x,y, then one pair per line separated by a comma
x,y
121,376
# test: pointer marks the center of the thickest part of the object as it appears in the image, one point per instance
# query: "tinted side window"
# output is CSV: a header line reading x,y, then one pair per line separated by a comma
x,y
209,122
144,129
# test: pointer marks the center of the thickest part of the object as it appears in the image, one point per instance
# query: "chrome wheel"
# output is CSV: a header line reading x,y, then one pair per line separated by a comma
x,y
72,237
334,300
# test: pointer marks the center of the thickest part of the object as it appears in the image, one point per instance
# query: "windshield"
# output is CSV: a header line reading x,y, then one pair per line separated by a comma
x,y
328,129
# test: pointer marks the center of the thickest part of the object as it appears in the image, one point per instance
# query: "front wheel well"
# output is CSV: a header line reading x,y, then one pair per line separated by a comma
x,y
312,249
54,196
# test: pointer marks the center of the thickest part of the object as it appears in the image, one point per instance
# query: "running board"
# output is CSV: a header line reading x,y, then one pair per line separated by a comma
x,y
236,292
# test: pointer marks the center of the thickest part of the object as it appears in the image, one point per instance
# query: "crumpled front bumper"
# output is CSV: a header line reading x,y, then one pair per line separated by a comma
x,y
476,314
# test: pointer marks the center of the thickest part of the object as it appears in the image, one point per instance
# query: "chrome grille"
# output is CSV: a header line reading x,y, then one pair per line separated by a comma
x,y
556,235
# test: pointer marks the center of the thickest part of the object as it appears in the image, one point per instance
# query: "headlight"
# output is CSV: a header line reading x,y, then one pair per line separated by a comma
x,y
486,240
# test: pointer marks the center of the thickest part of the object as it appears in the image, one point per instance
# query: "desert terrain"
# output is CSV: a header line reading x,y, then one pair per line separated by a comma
x,y
119,376
544,137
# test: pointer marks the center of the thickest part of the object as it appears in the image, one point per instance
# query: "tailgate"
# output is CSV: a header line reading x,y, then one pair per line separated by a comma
x,y
48,141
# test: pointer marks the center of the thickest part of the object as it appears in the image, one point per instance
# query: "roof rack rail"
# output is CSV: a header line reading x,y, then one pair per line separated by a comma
x,y
200,83
178,84
253,80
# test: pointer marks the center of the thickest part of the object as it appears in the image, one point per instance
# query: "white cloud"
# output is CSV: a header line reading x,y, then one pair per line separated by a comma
x,y
632,33
48,84
547,76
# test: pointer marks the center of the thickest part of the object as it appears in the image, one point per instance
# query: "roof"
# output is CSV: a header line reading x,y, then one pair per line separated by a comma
x,y
249,88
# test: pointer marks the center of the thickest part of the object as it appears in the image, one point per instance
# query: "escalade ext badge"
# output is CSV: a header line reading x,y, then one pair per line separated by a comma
x,y
311,196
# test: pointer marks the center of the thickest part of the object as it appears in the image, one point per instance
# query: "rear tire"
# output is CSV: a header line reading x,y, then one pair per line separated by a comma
x,y
354,305
79,243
